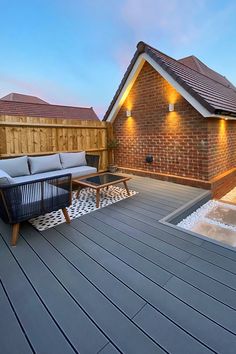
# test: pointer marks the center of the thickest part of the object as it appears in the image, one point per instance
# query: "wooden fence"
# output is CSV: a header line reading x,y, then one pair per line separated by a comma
x,y
40,136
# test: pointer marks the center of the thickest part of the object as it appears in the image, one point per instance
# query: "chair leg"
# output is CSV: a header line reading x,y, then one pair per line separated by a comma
x,y
66,215
15,234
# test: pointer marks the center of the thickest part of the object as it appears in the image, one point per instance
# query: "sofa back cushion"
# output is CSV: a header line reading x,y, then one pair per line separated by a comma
x,y
15,167
73,159
5,179
41,164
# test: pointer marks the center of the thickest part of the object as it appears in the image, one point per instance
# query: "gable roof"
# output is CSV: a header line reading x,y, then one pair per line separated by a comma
x,y
198,84
197,65
18,97
13,108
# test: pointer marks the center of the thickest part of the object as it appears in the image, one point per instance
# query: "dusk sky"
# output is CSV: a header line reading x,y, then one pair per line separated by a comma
x,y
75,52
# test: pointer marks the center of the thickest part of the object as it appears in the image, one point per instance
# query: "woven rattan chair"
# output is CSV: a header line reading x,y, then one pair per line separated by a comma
x,y
23,201
93,160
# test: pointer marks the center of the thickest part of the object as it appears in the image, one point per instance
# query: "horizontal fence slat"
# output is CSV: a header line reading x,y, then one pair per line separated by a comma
x,y
48,125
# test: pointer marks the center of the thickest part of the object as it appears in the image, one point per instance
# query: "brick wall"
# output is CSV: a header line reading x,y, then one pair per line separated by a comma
x,y
177,140
183,143
221,146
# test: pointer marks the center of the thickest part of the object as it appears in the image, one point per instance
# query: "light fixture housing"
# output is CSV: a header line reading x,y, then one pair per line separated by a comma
x,y
171,107
128,113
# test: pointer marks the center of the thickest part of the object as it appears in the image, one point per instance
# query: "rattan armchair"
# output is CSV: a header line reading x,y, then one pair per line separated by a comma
x,y
23,201
93,160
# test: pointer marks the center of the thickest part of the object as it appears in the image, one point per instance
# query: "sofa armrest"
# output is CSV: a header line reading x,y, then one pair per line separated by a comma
x,y
93,160
22,201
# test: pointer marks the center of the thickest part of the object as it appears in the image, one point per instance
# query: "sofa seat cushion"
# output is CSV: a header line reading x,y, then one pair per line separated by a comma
x,y
15,167
5,179
80,171
40,164
73,159
75,171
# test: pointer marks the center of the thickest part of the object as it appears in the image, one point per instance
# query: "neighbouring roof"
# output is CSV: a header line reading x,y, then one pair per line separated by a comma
x,y
197,65
18,97
24,107
211,90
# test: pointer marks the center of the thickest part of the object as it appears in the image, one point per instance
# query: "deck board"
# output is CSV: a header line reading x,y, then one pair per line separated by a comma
x,y
118,280
174,267
12,337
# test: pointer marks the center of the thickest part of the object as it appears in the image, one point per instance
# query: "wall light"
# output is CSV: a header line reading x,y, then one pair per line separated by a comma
x,y
171,107
128,113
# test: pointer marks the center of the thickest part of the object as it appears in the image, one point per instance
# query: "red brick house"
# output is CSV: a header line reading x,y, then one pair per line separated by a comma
x,y
16,104
181,113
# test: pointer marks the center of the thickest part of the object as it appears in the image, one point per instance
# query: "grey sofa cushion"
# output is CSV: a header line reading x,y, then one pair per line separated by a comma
x,y
5,179
80,171
41,164
15,167
73,159
75,171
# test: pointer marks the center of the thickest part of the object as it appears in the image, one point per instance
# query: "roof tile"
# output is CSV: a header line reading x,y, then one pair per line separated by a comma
x,y
46,110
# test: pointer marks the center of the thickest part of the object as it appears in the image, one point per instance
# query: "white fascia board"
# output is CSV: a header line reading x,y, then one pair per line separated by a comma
x,y
126,88
220,116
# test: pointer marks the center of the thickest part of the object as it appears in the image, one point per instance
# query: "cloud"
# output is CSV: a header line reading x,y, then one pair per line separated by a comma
x,y
123,54
17,83
49,91
176,20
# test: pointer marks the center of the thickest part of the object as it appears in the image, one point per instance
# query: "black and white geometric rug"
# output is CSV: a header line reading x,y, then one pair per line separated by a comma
x,y
86,203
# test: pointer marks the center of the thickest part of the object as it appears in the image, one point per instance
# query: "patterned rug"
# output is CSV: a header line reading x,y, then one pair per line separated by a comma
x,y
84,205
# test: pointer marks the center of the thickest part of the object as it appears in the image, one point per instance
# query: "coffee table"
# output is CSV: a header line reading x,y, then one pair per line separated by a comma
x,y
99,181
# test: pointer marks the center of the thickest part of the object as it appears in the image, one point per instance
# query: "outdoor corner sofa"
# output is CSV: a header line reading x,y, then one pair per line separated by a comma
x,y
33,186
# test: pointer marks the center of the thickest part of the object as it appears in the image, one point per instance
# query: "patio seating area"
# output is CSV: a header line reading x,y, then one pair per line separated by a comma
x,y
118,280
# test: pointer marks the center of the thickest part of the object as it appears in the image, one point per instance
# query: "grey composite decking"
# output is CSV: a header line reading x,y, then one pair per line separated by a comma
x,y
118,280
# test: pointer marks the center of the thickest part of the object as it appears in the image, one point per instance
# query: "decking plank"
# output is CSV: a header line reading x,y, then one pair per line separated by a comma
x,y
176,237
155,215
112,322
170,187
109,349
119,294
114,228
198,279
223,251
211,270
171,337
13,339
118,280
204,283
159,275
164,193
133,220
213,309
175,310
153,202
34,317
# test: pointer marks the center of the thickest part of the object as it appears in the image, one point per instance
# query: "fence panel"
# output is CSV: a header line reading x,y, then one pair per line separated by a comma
x,y
41,136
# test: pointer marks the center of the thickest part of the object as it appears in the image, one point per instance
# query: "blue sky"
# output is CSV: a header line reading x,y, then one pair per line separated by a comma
x,y
75,52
